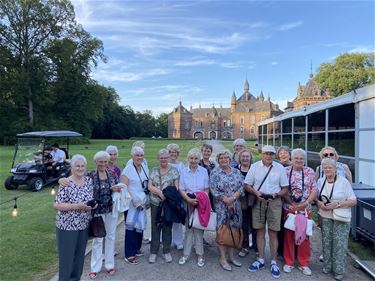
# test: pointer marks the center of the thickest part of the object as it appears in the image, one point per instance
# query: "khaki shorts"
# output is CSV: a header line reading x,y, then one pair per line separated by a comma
x,y
267,211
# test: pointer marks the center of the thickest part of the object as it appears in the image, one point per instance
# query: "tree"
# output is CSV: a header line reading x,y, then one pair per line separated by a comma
x,y
26,28
162,125
347,73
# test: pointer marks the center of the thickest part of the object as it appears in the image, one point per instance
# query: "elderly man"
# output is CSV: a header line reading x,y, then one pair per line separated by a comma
x,y
267,180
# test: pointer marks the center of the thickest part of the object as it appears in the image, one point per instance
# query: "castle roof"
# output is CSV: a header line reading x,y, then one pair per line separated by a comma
x,y
312,89
180,108
212,111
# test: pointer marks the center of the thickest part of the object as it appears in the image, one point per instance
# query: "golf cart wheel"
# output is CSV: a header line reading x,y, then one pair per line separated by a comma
x,y
36,184
9,183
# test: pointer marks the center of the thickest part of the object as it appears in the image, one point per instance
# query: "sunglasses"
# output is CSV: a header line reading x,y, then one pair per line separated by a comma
x,y
328,154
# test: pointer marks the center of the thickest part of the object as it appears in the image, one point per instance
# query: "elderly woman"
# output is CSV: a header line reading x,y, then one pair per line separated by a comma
x,y
342,169
301,193
135,176
105,182
161,177
177,235
113,153
205,162
336,197
245,160
238,145
194,182
283,155
72,220
226,185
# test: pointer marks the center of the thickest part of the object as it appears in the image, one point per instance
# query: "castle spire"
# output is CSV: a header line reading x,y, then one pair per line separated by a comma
x,y
234,98
246,86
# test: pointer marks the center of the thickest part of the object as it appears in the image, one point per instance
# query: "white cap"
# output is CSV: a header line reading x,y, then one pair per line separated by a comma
x,y
268,148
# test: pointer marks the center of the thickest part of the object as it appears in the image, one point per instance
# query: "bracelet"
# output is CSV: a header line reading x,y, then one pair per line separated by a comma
x,y
338,204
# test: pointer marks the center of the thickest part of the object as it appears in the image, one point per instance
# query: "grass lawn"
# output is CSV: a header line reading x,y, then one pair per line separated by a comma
x,y
27,242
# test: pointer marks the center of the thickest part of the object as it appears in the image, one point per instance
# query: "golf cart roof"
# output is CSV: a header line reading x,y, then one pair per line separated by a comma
x,y
46,134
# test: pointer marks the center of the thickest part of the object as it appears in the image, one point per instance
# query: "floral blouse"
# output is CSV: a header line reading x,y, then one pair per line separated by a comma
x,y
74,219
209,167
167,179
226,184
297,191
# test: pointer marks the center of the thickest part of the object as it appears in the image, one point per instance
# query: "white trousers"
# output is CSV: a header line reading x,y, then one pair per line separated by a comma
x,y
177,235
193,236
109,249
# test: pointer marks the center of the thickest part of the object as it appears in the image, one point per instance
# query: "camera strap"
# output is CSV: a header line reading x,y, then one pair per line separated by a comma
x,y
264,179
333,186
303,180
139,176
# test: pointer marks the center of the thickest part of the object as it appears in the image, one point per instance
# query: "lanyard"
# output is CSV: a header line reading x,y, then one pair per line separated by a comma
x,y
139,174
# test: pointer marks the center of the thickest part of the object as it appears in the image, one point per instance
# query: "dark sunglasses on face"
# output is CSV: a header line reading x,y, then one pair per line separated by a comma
x,y
328,154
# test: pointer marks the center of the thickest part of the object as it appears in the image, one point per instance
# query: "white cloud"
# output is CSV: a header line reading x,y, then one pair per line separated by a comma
x,y
274,63
362,49
195,62
118,76
290,25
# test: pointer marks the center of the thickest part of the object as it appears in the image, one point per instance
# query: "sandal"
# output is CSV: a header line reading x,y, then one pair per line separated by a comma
x,y
93,275
132,260
111,271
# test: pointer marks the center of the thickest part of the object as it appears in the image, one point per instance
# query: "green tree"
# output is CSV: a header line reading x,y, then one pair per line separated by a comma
x,y
347,73
162,125
26,28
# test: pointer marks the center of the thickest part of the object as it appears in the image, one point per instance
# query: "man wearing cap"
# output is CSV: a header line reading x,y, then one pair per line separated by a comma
x,y
267,180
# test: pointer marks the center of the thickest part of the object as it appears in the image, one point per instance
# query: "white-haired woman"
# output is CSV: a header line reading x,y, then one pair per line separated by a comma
x,y
72,220
341,168
177,234
135,176
245,160
336,197
226,185
194,187
105,182
302,192
238,145
113,153
161,177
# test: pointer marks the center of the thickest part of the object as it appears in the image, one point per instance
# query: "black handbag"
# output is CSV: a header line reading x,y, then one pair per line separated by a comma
x,y
97,228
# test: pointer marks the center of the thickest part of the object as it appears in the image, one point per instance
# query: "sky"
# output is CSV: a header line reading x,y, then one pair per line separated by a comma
x,y
199,52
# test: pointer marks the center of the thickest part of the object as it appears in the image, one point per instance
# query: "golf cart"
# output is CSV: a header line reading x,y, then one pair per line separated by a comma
x,y
32,165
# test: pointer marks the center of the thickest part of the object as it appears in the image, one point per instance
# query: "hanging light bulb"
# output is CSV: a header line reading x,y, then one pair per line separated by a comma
x,y
15,211
53,191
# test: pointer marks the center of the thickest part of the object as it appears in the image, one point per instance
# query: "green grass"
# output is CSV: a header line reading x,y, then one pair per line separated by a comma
x,y
27,242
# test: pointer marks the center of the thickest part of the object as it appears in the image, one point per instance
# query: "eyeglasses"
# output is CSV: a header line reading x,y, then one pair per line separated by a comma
x,y
328,154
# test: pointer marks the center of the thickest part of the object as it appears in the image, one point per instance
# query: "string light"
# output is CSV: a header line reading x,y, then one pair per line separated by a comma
x,y
15,211
53,191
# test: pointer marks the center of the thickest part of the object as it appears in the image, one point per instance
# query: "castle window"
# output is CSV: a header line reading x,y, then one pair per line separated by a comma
x,y
213,124
252,130
201,124
229,123
242,120
225,123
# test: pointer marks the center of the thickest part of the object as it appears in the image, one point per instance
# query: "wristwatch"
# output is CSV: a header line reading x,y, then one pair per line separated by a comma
x,y
338,204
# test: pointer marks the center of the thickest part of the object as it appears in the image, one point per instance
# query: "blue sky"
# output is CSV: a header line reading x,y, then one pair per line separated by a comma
x,y
201,51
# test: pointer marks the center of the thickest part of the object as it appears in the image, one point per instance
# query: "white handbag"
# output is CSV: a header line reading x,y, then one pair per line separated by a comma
x,y
342,214
194,221
290,224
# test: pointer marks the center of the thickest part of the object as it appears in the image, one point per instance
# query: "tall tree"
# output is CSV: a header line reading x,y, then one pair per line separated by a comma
x,y
347,73
26,28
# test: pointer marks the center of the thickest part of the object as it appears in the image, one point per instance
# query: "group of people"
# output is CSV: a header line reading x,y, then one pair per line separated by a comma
x,y
254,197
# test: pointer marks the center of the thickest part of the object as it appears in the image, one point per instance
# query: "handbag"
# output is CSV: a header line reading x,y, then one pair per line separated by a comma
x,y
194,221
97,228
290,224
229,236
342,214
252,199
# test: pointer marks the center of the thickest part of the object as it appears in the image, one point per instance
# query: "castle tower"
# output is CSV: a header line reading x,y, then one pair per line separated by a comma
x,y
180,123
233,102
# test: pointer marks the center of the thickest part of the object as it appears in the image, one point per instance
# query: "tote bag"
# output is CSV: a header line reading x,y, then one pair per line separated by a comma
x,y
290,224
194,221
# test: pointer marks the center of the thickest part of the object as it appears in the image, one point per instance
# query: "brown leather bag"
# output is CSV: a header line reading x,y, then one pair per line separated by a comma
x,y
229,236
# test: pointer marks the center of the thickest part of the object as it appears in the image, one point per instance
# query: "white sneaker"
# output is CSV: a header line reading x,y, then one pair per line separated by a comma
x,y
305,270
182,260
200,262
180,247
152,258
287,268
168,258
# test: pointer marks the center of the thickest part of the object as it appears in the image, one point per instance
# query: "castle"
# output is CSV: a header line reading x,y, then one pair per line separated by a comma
x,y
240,120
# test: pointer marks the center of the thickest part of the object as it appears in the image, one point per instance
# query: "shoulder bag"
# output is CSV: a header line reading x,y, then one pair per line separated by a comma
x,y
229,236
290,224
194,221
96,226
342,214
